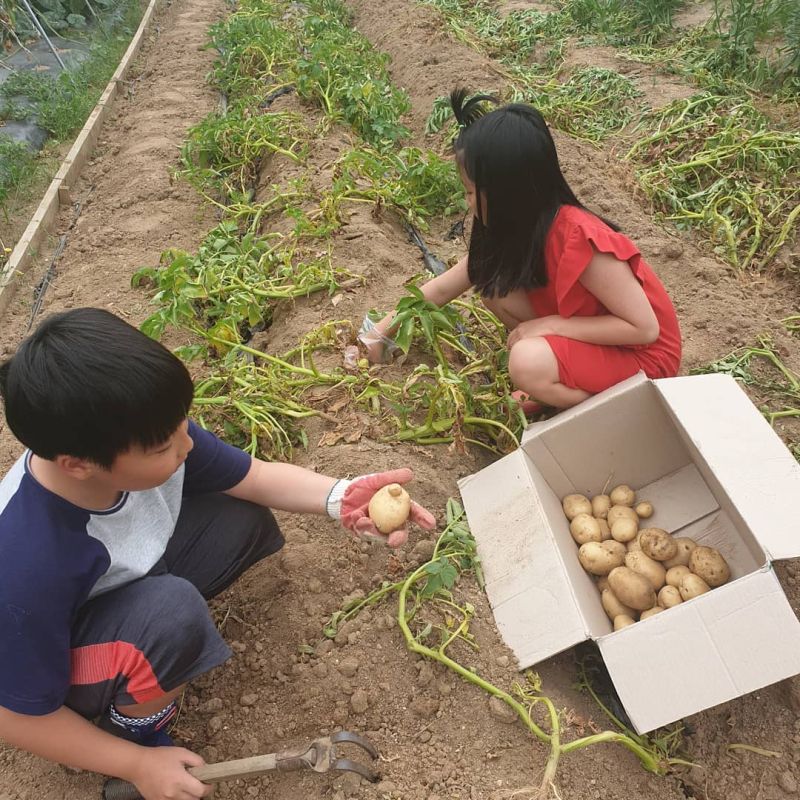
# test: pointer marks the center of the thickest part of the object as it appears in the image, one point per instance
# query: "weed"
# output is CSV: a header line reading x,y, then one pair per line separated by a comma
x,y
18,166
63,103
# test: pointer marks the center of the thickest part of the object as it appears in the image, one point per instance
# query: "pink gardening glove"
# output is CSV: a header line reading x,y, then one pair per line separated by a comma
x,y
354,515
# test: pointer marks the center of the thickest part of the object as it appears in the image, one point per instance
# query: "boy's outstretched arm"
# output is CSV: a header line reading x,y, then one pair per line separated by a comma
x,y
159,773
290,488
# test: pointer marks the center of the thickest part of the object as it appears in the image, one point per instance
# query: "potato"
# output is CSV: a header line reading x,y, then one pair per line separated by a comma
x,y
631,588
681,558
708,564
624,530
605,531
613,607
389,508
602,583
644,510
651,612
691,586
585,529
622,495
600,558
669,596
574,504
658,544
652,570
618,512
622,621
676,574
600,505
635,545
619,549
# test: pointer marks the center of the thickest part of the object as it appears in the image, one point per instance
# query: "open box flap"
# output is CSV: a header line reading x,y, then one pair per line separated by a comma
x,y
747,457
531,596
725,643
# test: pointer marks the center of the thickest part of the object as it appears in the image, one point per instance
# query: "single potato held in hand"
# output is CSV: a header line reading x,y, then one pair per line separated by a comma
x,y
389,508
356,507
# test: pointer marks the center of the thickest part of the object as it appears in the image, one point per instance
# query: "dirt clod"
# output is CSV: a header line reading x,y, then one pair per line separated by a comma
x,y
502,711
425,707
787,782
359,701
348,667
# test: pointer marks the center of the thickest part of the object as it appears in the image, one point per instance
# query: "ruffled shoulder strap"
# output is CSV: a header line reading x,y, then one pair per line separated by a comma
x,y
577,235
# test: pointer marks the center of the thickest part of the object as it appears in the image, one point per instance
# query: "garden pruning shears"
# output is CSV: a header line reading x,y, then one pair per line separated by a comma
x,y
321,755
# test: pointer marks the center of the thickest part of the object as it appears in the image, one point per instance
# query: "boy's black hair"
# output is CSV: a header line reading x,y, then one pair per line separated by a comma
x,y
510,156
89,385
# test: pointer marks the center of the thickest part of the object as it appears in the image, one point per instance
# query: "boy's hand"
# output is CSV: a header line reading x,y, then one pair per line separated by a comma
x,y
354,508
162,774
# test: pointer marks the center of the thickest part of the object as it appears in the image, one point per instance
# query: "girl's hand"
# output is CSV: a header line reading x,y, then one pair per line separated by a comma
x,y
354,513
379,347
543,326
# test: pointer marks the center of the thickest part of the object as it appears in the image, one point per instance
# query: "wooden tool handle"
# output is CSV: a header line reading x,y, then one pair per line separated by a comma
x,y
117,789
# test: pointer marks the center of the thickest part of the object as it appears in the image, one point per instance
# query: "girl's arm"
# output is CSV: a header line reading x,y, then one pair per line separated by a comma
x,y
439,291
630,319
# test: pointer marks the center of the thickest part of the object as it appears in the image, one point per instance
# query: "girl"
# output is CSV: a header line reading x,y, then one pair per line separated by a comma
x,y
583,309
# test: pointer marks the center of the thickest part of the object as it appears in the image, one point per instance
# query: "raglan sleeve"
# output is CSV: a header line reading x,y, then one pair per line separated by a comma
x,y
213,465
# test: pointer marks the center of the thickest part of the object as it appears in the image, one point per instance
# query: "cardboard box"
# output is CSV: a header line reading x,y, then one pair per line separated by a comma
x,y
698,449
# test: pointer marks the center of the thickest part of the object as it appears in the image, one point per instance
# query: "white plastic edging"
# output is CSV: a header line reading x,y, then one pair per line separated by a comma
x,y
57,193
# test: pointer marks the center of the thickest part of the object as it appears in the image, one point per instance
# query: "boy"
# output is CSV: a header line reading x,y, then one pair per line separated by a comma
x,y
116,525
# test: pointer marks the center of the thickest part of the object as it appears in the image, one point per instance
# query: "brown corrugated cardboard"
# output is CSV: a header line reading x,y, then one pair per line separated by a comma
x,y
704,456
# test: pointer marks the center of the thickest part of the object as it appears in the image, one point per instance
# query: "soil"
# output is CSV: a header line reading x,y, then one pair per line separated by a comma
x,y
438,737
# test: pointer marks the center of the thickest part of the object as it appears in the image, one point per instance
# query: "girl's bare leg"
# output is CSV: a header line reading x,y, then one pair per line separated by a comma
x,y
534,369
531,363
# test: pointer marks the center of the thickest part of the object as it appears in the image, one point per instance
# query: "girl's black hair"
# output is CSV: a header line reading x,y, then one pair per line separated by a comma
x,y
510,156
89,385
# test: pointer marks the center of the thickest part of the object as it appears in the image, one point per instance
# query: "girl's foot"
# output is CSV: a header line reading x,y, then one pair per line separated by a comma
x,y
529,407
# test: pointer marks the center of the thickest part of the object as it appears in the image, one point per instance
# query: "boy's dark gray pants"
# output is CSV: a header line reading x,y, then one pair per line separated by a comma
x,y
135,643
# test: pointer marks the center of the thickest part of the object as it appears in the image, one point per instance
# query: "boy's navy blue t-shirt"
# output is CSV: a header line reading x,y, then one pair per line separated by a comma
x,y
54,556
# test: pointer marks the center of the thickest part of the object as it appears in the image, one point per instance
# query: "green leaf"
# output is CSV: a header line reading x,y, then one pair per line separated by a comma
x,y
153,326
404,335
427,327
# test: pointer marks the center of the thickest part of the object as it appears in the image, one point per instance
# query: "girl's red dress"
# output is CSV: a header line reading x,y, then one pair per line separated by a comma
x,y
572,241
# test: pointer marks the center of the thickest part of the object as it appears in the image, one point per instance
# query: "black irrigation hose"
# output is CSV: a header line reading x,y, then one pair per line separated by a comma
x,y
44,284
274,95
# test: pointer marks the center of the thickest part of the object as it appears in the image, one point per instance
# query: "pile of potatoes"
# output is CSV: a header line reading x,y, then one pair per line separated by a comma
x,y
640,572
